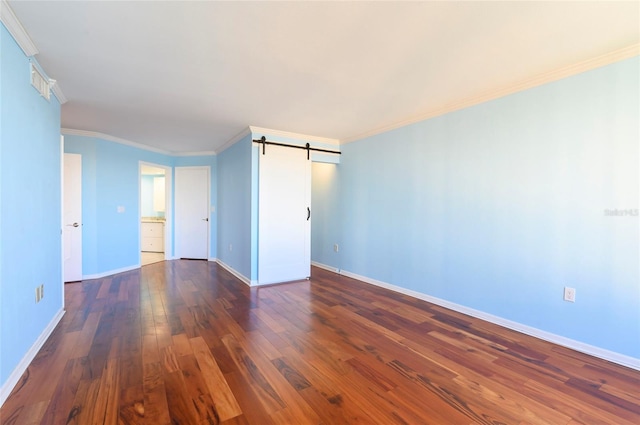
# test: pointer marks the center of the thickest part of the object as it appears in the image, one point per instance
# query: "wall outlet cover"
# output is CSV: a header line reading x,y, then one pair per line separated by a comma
x,y
569,294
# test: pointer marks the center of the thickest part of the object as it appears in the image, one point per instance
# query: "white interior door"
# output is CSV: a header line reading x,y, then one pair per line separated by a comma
x,y
284,226
72,217
192,212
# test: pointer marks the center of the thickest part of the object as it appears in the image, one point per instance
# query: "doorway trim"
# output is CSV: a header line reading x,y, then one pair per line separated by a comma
x,y
62,218
72,217
206,168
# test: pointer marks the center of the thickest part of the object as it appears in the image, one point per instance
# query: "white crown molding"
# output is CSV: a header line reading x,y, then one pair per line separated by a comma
x,y
198,153
602,353
20,35
548,77
15,28
228,144
57,91
235,139
268,131
97,135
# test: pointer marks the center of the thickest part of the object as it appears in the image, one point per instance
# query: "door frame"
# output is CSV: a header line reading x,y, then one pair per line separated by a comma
x,y
168,213
208,169
62,218
69,240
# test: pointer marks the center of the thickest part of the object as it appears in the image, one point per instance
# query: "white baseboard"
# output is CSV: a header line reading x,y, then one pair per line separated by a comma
x,y
324,266
612,356
234,272
13,379
109,273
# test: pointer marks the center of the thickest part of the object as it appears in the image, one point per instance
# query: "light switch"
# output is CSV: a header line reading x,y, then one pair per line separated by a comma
x,y
120,209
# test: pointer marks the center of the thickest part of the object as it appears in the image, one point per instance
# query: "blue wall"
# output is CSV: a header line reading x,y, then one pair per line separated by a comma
x,y
30,215
234,206
146,196
497,207
147,192
255,180
110,175
325,207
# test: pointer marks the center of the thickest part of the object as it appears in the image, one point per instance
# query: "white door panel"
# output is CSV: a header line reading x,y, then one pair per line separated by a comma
x,y
192,212
284,228
72,217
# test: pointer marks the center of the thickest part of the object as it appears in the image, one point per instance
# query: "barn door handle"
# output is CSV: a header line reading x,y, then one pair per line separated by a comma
x,y
308,213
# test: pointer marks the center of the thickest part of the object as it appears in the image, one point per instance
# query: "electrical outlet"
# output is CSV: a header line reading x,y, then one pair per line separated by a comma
x,y
569,294
336,248
230,247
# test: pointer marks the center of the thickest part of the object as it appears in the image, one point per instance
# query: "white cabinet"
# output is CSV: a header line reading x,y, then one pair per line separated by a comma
x,y
152,236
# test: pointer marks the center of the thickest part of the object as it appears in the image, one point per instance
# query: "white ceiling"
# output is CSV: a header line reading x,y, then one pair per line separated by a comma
x,y
189,76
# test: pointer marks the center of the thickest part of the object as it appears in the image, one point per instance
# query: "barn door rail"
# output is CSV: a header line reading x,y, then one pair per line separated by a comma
x,y
263,141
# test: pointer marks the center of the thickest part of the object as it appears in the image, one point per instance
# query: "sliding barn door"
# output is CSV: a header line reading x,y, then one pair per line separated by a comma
x,y
284,223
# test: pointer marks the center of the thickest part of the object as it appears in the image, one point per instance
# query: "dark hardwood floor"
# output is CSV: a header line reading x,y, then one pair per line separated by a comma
x,y
184,342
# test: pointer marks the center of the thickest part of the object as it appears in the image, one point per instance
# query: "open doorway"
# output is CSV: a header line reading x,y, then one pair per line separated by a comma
x,y
154,214
325,226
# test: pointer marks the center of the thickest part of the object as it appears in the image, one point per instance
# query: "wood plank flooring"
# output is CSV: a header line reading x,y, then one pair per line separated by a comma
x,y
184,342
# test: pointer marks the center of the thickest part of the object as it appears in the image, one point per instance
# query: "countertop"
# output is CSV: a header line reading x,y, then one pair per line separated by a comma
x,y
152,220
